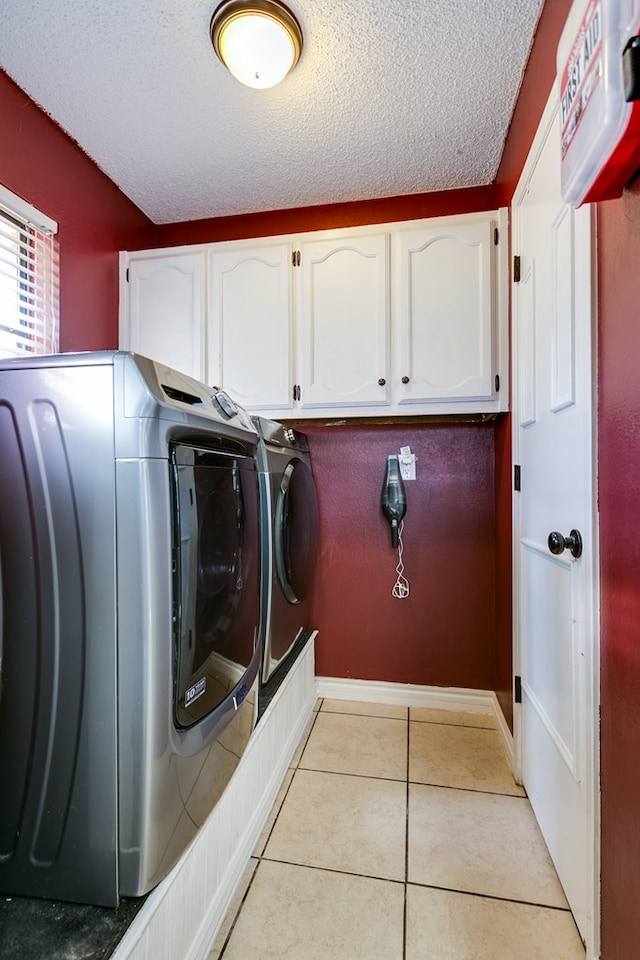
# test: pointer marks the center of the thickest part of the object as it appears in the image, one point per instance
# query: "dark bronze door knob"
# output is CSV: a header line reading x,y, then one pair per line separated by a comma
x,y
557,543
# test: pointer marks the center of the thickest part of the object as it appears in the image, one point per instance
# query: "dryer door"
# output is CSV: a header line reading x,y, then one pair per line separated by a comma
x,y
296,531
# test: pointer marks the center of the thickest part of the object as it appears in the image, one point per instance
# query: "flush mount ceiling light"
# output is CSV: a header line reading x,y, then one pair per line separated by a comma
x,y
259,42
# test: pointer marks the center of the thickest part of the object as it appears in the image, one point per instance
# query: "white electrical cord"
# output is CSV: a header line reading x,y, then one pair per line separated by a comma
x,y
401,587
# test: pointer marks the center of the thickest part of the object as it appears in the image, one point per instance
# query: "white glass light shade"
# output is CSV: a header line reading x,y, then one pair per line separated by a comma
x,y
258,42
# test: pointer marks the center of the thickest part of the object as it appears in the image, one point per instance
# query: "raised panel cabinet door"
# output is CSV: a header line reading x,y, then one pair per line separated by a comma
x,y
445,343
165,315
251,350
343,314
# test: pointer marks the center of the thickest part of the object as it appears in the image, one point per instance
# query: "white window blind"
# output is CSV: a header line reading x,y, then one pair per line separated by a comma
x,y
29,302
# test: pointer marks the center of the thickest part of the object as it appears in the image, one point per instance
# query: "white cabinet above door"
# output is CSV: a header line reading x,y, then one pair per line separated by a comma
x,y
445,326
250,328
343,321
162,309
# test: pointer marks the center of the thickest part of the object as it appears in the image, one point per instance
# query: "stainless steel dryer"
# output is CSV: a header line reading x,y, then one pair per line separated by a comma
x,y
289,513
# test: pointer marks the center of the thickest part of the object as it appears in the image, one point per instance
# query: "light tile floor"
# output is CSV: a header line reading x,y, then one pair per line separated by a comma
x,y
399,834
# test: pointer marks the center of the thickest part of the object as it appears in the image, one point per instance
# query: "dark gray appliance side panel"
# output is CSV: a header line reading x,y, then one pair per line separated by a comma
x,y
57,694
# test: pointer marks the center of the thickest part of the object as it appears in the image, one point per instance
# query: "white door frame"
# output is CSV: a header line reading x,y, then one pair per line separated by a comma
x,y
592,656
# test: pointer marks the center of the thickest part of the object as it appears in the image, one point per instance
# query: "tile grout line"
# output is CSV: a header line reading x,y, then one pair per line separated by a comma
x,y
418,783
299,752
336,871
406,883
436,723
260,858
486,793
491,896
238,912
356,776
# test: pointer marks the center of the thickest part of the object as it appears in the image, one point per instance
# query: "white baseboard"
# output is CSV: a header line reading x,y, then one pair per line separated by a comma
x,y
414,695
407,694
182,915
505,734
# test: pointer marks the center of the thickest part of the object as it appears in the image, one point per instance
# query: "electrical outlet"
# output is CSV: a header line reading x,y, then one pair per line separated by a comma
x,y
407,462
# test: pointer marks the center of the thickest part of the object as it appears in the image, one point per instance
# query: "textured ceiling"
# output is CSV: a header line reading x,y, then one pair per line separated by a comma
x,y
390,97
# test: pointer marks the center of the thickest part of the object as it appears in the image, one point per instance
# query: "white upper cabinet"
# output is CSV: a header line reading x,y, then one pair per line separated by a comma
x,y
162,309
343,322
401,319
444,315
250,327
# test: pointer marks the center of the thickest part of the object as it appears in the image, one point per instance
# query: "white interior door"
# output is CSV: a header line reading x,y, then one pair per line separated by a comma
x,y
555,608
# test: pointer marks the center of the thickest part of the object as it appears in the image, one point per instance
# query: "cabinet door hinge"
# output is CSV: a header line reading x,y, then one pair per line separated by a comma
x,y
517,689
516,476
295,258
516,269
496,236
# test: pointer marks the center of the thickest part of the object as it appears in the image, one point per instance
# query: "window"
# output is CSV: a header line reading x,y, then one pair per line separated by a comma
x,y
29,319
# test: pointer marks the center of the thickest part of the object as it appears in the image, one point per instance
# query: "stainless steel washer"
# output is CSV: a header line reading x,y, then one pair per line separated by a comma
x,y
130,594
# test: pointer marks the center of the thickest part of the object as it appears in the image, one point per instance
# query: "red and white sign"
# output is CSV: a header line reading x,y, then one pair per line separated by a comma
x,y
600,130
582,74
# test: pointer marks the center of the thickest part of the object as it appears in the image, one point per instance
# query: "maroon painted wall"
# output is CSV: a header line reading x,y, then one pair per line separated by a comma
x,y
40,163
442,633
360,213
618,483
